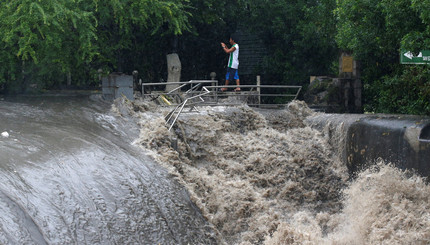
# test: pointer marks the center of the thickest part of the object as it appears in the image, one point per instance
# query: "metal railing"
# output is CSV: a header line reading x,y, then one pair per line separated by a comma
x,y
178,109
177,93
255,93
189,94
259,93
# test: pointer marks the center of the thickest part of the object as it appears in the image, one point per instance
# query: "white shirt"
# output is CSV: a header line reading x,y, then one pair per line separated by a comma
x,y
233,61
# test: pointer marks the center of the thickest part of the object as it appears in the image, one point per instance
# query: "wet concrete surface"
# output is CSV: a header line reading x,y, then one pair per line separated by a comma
x,y
70,175
398,139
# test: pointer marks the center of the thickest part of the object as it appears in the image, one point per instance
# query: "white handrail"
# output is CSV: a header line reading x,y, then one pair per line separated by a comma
x,y
181,106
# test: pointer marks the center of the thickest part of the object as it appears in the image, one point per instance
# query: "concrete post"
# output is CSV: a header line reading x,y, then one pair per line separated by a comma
x,y
258,89
135,74
358,104
349,74
69,78
174,71
346,94
100,71
213,76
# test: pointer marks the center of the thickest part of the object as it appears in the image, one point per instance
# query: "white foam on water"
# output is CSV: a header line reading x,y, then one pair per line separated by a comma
x,y
268,178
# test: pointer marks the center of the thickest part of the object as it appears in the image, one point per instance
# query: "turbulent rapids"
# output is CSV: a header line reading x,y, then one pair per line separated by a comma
x,y
267,177
77,170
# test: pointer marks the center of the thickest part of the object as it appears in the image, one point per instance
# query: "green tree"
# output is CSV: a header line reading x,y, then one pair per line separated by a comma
x,y
46,40
37,38
418,37
374,31
127,26
407,92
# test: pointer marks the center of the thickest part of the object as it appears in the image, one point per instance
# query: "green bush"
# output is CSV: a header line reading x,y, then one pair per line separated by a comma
x,y
405,93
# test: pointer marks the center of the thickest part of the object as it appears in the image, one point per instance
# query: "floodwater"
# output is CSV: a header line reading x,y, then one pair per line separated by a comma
x,y
70,175
77,170
267,177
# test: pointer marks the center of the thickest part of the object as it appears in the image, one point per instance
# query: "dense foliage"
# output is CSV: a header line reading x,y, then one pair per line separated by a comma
x,y
47,42
65,42
407,92
375,31
299,35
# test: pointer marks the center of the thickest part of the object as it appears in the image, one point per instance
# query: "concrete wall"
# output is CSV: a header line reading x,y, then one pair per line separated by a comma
x,y
335,95
403,140
116,85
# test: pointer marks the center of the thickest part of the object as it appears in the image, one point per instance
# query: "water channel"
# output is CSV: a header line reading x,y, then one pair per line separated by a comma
x,y
70,175
77,169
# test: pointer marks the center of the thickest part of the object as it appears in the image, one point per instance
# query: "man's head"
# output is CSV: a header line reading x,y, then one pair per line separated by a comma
x,y
233,39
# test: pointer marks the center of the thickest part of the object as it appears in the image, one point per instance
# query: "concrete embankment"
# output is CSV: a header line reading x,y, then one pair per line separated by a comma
x,y
403,140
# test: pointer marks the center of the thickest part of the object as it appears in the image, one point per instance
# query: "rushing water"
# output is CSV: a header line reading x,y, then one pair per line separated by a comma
x,y
267,177
69,175
75,170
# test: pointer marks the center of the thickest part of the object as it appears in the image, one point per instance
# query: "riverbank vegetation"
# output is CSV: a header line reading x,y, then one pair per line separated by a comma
x,y
55,44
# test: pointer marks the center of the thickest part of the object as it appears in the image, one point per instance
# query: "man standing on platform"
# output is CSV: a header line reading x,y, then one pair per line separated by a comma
x,y
233,62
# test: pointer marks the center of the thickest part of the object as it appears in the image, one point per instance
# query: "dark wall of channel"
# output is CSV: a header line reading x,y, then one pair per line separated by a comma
x,y
402,140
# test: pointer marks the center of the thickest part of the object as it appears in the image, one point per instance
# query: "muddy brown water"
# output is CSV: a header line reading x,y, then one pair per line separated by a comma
x,y
70,175
78,170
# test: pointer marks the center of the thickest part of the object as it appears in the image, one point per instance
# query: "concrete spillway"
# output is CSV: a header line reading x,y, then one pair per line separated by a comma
x,y
70,175
403,140
75,169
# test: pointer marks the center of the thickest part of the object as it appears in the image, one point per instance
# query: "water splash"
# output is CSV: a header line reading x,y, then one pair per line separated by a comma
x,y
268,177
387,206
